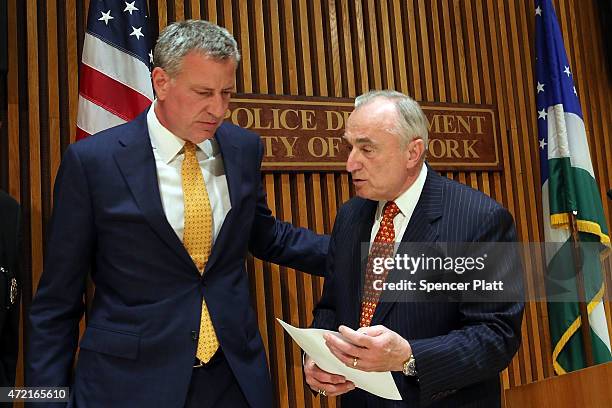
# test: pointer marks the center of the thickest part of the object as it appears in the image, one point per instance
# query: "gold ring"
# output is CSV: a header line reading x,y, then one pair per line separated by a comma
x,y
354,362
322,392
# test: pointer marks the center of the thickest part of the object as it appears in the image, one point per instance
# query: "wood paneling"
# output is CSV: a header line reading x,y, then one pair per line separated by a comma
x,y
460,51
591,387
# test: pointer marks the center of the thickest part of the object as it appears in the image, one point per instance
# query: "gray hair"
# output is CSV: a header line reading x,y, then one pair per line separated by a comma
x,y
411,124
180,38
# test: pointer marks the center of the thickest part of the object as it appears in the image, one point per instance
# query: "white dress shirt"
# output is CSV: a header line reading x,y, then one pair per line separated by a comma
x,y
406,202
169,155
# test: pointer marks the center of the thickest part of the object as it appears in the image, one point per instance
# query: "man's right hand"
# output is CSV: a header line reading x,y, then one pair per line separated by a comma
x,y
323,382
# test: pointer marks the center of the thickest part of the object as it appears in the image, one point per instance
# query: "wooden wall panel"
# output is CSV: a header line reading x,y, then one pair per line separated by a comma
x,y
458,51
13,166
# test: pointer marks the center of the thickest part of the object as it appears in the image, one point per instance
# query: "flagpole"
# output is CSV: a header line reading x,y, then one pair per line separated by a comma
x,y
585,327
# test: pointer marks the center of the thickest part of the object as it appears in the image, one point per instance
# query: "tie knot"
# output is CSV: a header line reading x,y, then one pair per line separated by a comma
x,y
390,211
189,148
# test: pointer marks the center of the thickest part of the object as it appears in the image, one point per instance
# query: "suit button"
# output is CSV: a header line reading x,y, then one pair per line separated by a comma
x,y
194,335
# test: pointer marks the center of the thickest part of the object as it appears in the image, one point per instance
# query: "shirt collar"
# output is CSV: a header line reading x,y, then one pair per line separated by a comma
x,y
167,145
408,200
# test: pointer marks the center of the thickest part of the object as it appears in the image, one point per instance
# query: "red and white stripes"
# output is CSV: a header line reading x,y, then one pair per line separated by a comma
x,y
114,87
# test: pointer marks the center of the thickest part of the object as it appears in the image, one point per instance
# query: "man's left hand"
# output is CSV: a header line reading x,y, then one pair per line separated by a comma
x,y
375,348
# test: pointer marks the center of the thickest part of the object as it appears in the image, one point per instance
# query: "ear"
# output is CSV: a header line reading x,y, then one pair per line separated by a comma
x,y
414,152
161,82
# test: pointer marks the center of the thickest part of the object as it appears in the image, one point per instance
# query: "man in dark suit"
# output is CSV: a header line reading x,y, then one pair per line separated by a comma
x,y
163,211
442,352
9,293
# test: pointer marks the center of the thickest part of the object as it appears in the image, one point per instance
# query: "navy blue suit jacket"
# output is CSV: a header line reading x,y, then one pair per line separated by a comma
x,y
139,346
9,312
459,347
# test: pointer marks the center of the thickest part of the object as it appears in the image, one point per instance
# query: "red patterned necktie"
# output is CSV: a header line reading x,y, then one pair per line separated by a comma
x,y
382,247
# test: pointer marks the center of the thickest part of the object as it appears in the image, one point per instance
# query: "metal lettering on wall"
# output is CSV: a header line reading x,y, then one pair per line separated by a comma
x,y
305,133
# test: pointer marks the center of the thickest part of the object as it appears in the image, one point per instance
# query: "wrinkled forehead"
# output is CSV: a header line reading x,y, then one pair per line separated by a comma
x,y
370,125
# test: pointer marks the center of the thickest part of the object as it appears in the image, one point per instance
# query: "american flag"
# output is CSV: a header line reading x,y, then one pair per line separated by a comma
x,y
115,81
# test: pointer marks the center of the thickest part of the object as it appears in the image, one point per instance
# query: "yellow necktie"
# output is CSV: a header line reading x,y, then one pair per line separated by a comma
x,y
197,239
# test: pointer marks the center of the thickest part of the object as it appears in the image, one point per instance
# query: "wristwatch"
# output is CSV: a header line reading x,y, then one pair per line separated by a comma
x,y
410,367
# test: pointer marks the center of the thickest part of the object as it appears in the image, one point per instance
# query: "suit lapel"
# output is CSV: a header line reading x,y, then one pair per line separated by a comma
x,y
137,164
232,163
419,229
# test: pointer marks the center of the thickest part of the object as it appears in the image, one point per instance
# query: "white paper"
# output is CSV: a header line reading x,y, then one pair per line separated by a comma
x,y
313,343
